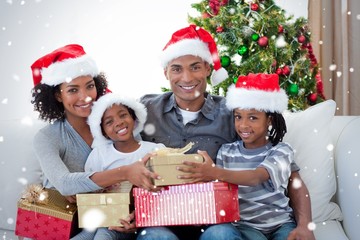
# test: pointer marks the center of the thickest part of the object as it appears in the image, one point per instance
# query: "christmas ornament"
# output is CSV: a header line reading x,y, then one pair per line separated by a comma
x,y
293,89
242,50
286,70
280,29
219,29
255,37
312,97
278,71
206,15
254,7
263,41
225,61
301,39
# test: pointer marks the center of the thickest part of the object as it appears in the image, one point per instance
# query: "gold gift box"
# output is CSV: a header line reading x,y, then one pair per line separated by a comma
x,y
165,166
104,209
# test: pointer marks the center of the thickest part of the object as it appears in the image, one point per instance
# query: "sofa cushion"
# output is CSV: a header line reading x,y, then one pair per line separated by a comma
x,y
309,135
347,155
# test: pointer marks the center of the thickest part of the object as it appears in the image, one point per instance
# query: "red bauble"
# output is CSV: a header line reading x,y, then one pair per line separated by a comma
x,y
206,15
312,97
263,41
280,29
219,29
286,70
278,71
301,39
254,7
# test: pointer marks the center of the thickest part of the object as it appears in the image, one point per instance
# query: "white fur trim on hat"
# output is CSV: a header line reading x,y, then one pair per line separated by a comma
x,y
67,70
218,76
105,102
268,101
194,47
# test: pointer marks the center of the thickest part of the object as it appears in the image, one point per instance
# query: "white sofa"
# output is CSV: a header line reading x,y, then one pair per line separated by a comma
x,y
327,150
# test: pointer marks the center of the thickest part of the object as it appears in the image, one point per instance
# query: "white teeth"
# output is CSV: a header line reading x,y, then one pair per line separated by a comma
x,y
85,106
121,130
188,87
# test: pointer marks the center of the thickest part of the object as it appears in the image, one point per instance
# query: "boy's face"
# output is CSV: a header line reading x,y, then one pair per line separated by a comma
x,y
117,123
187,75
252,127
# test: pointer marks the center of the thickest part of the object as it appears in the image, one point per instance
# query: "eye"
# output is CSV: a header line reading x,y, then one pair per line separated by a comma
x,y
72,90
90,86
237,117
123,115
195,67
175,69
108,122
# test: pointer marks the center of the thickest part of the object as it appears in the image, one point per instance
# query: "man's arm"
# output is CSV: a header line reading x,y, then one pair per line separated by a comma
x,y
301,204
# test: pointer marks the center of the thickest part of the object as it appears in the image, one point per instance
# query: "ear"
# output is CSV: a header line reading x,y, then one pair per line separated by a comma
x,y
58,96
165,73
208,68
269,120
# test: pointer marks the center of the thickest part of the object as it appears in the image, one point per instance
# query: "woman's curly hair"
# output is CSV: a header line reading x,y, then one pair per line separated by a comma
x,y
278,130
50,109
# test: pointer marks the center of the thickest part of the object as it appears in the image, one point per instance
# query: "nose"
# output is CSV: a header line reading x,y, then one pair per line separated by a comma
x,y
83,94
186,76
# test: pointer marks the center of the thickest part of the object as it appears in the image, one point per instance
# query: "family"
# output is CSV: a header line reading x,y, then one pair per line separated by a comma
x,y
96,138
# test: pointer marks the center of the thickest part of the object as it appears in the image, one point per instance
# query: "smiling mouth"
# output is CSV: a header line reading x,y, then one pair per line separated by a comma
x,y
121,131
84,106
188,87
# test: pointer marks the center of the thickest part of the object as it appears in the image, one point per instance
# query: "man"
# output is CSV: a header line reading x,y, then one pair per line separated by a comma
x,y
189,114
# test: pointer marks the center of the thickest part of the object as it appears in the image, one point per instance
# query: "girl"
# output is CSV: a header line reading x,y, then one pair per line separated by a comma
x,y
259,163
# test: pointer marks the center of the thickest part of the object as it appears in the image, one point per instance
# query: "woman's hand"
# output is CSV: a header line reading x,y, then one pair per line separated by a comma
x,y
71,199
199,172
128,224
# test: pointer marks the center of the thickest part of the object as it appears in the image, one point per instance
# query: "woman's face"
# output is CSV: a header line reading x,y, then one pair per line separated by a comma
x,y
77,96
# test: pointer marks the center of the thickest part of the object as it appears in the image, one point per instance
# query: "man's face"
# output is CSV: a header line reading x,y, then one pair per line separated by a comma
x,y
187,75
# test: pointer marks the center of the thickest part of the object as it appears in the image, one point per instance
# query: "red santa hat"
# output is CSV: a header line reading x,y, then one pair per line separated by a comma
x,y
257,91
195,41
105,102
63,65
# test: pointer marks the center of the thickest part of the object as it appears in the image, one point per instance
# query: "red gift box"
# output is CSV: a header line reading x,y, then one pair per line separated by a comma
x,y
188,204
51,221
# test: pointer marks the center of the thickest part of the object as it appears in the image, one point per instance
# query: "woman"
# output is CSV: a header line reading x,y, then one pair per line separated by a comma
x,y
66,83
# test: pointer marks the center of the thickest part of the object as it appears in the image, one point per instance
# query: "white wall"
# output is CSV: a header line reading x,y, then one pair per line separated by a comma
x,y
124,37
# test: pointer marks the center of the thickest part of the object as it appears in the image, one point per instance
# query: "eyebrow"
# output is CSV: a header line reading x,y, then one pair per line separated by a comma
x,y
74,85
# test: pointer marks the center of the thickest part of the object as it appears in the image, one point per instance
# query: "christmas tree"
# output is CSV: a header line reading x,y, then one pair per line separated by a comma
x,y
257,36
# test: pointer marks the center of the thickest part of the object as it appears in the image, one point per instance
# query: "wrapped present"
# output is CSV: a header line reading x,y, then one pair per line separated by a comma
x,y
45,214
104,209
165,166
187,204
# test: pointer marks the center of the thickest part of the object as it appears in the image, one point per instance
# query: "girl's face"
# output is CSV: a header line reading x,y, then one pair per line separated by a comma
x,y
77,96
118,124
252,127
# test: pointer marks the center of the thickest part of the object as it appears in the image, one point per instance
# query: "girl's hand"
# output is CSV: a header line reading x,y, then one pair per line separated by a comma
x,y
140,176
199,172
